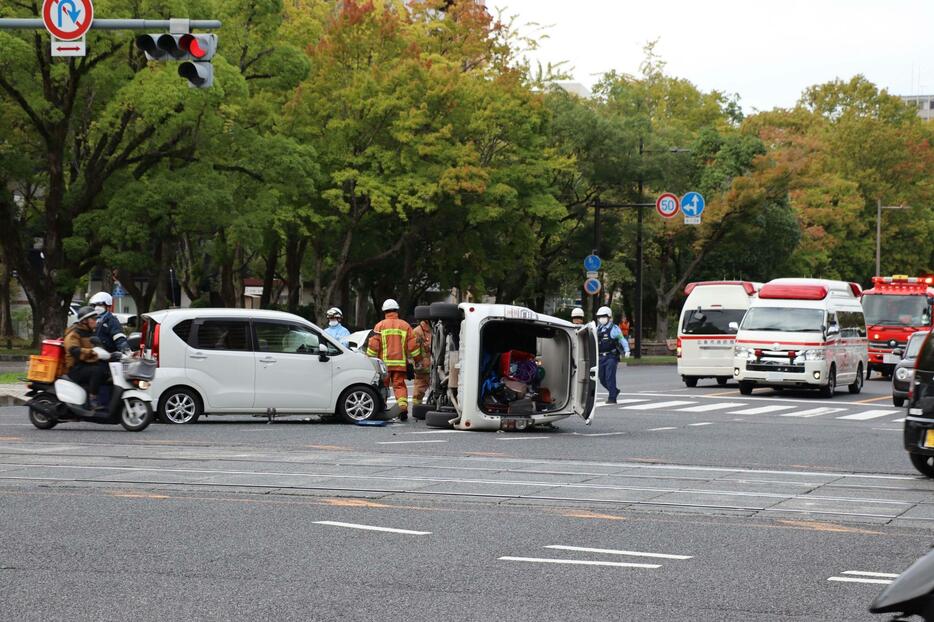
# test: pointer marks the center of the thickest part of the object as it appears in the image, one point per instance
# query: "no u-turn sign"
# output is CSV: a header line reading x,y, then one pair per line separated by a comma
x,y
67,20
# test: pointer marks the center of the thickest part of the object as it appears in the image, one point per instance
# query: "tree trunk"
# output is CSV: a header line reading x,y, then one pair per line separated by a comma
x,y
269,274
6,308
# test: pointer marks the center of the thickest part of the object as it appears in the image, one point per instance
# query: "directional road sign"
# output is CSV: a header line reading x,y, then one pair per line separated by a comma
x,y
67,20
667,205
592,263
592,286
692,204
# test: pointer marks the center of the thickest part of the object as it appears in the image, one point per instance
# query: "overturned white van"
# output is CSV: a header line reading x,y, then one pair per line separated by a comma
x,y
502,367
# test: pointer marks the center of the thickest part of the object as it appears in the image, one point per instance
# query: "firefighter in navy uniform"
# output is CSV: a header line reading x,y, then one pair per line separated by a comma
x,y
109,330
610,341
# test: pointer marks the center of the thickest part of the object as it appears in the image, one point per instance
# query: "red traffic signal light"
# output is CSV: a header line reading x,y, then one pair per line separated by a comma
x,y
198,46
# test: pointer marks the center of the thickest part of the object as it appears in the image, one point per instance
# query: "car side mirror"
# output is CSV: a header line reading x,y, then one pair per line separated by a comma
x,y
898,352
323,352
734,327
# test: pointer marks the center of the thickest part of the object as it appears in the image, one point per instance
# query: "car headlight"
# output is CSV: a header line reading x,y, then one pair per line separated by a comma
x,y
903,373
813,355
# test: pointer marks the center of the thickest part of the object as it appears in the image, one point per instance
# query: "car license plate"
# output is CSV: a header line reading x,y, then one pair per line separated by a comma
x,y
891,359
929,438
773,377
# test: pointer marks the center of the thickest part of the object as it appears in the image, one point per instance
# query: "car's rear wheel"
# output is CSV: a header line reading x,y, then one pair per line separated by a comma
x,y
422,312
690,381
358,403
924,464
180,405
746,387
722,380
39,418
444,311
420,410
857,385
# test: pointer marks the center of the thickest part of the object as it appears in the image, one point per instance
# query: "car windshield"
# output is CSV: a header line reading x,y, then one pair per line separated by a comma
x,y
711,321
891,310
914,344
784,319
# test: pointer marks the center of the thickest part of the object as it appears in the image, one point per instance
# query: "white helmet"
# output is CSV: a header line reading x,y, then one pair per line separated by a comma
x,y
334,312
101,298
604,311
390,305
577,312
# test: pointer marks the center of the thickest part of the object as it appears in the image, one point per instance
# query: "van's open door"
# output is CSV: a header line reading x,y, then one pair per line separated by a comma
x,y
584,376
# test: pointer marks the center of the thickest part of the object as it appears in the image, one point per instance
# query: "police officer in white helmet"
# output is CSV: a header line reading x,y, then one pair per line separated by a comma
x,y
610,341
577,315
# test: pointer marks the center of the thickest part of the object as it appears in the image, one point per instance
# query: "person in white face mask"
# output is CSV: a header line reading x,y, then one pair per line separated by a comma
x,y
335,329
610,341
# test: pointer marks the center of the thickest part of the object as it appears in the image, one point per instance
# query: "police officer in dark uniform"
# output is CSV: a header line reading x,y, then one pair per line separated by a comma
x,y
610,342
109,330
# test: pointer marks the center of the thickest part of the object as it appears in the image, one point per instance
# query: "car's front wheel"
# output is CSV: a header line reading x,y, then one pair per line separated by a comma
x,y
831,387
690,381
180,405
746,387
924,464
360,403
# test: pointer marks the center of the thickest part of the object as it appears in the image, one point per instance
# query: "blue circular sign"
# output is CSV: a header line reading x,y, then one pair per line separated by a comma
x,y
692,204
592,263
592,286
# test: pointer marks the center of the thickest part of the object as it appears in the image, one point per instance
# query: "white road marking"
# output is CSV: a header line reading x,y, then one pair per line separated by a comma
x,y
857,580
660,429
599,433
878,575
406,442
695,425
760,410
869,414
372,528
889,429
902,420
523,438
585,549
708,407
657,405
618,401
814,412
577,562
440,432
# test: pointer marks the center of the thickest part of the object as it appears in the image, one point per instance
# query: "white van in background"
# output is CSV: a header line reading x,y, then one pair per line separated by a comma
x,y
705,339
803,333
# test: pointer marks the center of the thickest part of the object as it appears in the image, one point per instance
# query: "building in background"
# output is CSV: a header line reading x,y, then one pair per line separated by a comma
x,y
923,103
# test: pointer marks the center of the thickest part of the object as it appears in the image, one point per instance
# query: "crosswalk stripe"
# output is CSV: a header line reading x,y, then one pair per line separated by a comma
x,y
708,407
631,400
656,405
902,420
869,414
760,410
814,412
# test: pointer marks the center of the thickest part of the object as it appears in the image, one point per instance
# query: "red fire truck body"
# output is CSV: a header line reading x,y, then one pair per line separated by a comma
x,y
895,307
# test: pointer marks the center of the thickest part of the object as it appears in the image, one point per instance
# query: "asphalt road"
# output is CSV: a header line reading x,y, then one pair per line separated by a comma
x,y
674,504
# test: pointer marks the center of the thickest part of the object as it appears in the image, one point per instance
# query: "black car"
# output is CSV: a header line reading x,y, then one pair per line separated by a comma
x,y
901,375
919,424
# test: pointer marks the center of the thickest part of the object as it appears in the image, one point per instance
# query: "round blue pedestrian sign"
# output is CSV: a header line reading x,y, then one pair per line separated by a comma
x,y
592,286
592,263
692,204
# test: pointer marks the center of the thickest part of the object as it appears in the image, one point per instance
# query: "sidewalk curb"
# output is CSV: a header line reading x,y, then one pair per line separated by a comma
x,y
12,395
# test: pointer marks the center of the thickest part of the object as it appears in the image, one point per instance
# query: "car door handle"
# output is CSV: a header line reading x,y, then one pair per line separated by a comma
x,y
198,355
268,359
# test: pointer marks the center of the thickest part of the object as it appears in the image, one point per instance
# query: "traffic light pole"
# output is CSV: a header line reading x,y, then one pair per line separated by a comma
x,y
174,25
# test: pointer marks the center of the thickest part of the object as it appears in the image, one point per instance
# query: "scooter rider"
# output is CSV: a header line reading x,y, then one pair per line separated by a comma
x,y
109,330
82,364
610,341
335,329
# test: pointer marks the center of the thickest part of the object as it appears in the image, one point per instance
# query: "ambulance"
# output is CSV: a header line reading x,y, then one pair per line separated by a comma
x,y
705,338
805,334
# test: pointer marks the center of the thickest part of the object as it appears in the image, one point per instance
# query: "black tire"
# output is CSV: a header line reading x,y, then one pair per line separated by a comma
x,y
438,419
39,419
746,387
924,464
136,415
722,380
868,371
898,402
444,311
180,405
857,385
420,410
690,381
422,312
358,403
831,387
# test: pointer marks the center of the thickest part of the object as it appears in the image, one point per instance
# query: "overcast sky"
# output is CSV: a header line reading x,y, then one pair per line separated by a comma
x,y
767,51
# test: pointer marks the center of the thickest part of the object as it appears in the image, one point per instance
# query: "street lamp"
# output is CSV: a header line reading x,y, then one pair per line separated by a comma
x,y
879,208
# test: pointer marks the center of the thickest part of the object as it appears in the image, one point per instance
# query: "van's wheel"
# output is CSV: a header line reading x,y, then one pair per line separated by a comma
x,y
358,404
438,419
746,387
444,311
180,405
831,387
857,385
898,402
40,419
868,371
422,312
420,410
924,464
136,415
722,380
690,381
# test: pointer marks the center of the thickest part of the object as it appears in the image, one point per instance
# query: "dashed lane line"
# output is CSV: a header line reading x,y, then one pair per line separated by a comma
x,y
578,562
584,549
702,423
408,532
661,429
406,442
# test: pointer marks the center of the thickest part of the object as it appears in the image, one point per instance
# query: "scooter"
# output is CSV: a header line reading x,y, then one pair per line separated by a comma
x,y
65,400
911,594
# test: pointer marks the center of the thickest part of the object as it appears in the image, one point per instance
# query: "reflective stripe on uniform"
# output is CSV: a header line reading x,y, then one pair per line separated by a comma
x,y
119,336
395,332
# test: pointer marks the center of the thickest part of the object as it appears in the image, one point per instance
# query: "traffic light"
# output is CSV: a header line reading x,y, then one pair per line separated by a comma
x,y
195,52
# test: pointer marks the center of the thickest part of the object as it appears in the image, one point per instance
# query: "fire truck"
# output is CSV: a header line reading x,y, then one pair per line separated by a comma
x,y
895,307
